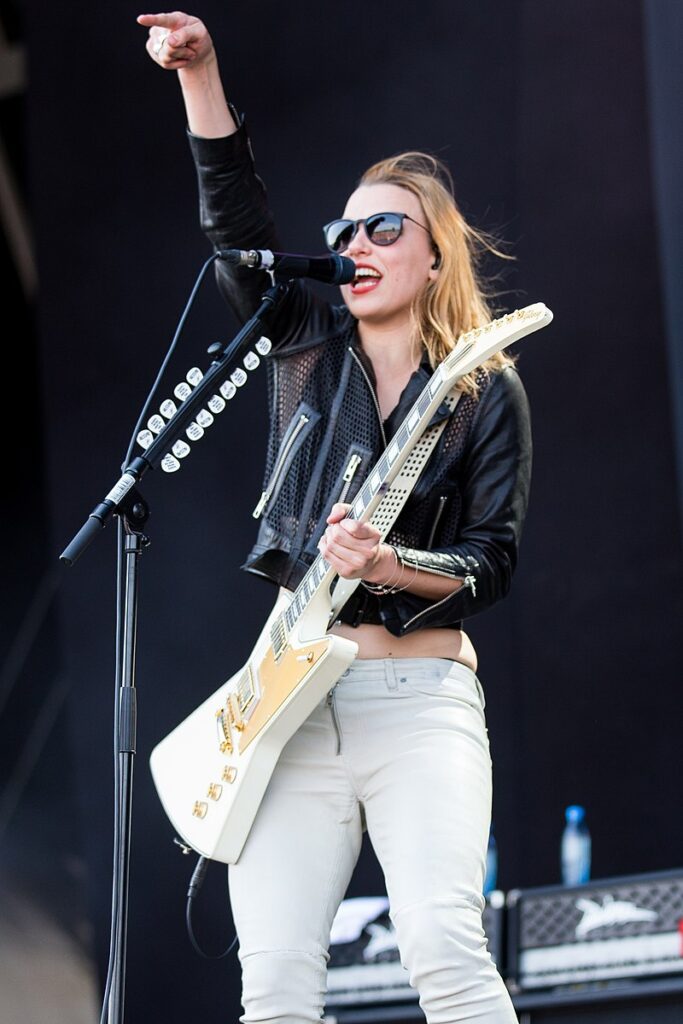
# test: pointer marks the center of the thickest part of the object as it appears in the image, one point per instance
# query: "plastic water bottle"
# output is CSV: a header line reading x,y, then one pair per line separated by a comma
x,y
491,865
576,847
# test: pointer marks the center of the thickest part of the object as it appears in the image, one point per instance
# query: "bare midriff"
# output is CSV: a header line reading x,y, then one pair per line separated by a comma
x,y
377,642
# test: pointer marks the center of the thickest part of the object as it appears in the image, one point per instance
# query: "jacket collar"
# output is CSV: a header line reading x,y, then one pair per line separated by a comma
x,y
415,385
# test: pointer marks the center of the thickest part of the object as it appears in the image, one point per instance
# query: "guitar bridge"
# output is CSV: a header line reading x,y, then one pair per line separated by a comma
x,y
238,708
236,720
246,691
224,734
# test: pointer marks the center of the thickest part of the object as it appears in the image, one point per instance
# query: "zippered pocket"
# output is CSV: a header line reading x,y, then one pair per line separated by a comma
x,y
303,421
354,468
349,473
440,506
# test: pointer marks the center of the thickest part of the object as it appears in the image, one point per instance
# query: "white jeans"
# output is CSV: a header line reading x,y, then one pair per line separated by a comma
x,y
403,748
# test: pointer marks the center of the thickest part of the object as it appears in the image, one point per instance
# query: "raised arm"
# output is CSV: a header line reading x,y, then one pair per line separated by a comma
x,y
233,204
180,42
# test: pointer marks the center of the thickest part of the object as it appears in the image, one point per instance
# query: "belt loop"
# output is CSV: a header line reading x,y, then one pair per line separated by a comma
x,y
390,669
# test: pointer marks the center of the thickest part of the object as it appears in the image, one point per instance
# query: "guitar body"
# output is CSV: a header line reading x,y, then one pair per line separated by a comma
x,y
211,772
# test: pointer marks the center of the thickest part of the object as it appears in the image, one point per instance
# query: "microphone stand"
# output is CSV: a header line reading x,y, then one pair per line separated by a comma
x,y
125,501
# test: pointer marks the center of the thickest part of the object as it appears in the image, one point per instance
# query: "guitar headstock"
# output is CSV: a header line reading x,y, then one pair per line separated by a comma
x,y
476,346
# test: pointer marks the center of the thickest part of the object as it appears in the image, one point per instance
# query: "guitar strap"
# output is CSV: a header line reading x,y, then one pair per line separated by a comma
x,y
389,508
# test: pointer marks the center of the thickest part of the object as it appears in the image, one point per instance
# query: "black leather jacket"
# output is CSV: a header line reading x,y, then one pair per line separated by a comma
x,y
464,516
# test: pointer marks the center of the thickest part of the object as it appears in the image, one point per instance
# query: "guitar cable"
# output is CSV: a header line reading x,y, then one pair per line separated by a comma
x,y
196,882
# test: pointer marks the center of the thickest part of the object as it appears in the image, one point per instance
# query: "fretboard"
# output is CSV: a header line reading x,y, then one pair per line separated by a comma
x,y
371,493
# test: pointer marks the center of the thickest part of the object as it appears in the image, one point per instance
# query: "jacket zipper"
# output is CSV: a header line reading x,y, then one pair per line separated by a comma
x,y
349,473
443,498
274,477
351,467
467,581
335,718
374,396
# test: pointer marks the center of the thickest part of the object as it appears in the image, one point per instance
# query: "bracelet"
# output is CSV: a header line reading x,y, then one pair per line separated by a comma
x,y
410,582
391,587
387,587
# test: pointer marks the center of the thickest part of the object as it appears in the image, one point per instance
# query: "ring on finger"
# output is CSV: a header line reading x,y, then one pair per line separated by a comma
x,y
158,47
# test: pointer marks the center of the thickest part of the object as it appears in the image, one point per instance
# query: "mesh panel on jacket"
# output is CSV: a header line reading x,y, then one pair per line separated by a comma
x,y
325,385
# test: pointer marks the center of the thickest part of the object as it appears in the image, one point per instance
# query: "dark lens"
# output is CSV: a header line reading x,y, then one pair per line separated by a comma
x,y
338,234
384,228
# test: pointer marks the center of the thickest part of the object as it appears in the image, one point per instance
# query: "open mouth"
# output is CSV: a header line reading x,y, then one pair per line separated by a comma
x,y
366,279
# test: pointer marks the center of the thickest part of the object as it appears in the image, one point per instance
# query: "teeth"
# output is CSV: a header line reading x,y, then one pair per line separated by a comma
x,y
366,272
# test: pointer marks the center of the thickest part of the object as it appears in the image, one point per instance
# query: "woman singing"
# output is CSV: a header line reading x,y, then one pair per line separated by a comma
x,y
400,747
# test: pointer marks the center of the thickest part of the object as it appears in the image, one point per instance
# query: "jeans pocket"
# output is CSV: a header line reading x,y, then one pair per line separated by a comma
x,y
438,677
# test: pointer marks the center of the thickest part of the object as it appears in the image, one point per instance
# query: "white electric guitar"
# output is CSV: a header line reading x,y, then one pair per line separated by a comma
x,y
211,772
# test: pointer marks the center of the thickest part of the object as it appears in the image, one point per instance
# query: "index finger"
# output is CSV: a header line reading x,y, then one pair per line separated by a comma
x,y
159,20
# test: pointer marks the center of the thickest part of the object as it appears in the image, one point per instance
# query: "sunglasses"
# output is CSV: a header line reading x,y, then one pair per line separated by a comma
x,y
381,229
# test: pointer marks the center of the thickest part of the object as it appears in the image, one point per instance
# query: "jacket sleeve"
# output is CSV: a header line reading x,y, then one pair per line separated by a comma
x,y
494,478
234,214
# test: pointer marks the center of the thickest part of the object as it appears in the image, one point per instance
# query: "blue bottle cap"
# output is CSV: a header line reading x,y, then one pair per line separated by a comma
x,y
575,813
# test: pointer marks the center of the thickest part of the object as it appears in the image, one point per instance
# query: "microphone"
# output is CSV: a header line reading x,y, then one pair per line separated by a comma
x,y
332,269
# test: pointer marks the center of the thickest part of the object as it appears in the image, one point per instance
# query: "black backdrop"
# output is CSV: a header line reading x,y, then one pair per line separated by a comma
x,y
544,113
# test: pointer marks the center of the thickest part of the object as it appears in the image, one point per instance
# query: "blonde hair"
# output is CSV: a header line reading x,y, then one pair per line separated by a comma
x,y
456,300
